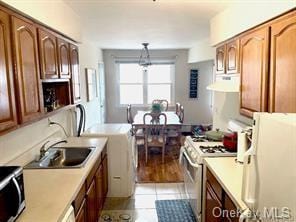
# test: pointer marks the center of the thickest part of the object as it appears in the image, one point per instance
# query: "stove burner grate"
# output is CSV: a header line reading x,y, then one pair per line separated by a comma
x,y
213,149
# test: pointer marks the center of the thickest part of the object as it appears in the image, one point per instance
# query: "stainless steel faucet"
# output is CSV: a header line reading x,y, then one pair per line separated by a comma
x,y
43,148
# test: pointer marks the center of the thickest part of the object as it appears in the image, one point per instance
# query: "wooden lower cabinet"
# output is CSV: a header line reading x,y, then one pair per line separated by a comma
x,y
91,202
218,207
105,176
213,205
82,213
99,188
90,199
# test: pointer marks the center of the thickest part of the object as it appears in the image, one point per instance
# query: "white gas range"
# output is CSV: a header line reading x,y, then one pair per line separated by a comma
x,y
192,155
197,149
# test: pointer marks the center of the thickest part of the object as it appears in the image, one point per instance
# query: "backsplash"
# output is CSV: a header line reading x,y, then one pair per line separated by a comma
x,y
226,107
17,142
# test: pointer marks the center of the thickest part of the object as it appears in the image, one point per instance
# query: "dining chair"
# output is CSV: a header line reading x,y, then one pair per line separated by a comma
x,y
138,133
155,132
174,135
129,116
181,114
163,102
178,106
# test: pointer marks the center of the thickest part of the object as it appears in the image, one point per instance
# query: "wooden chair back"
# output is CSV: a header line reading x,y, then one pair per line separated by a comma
x,y
129,116
181,114
155,127
178,106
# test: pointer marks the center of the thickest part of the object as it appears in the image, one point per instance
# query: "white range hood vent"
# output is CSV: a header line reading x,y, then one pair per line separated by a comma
x,y
223,83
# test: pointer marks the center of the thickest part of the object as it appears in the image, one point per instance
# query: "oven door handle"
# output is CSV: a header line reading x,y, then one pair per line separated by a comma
x,y
18,194
189,160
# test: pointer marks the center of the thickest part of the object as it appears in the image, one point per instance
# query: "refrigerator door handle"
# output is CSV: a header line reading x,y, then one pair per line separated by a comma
x,y
246,183
244,216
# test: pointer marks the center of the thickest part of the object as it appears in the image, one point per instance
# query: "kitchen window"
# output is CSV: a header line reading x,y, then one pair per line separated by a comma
x,y
140,87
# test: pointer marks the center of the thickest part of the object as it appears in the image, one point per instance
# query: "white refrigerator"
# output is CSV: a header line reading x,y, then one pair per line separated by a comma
x,y
269,178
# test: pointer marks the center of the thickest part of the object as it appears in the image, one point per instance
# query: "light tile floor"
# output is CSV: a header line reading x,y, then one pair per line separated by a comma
x,y
141,206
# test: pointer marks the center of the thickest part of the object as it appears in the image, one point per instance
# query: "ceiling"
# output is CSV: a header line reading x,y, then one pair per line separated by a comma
x,y
125,24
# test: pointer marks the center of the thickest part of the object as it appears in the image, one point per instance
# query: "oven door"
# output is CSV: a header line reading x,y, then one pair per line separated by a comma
x,y
193,184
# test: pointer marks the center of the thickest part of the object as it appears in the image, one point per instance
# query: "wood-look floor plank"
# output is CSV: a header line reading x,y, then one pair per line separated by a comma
x,y
157,172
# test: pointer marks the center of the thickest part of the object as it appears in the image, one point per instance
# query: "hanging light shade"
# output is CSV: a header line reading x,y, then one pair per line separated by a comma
x,y
144,60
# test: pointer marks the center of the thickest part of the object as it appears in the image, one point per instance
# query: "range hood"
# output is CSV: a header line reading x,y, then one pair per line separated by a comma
x,y
225,83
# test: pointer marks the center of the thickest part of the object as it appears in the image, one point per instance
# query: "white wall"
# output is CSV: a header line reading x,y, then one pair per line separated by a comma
x,y
243,16
226,107
21,140
89,57
196,111
54,13
201,51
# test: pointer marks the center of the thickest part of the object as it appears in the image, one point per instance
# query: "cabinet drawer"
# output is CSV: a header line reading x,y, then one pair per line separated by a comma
x,y
217,188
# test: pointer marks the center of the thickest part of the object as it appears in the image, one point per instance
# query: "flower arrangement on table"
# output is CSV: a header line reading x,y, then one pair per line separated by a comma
x,y
157,108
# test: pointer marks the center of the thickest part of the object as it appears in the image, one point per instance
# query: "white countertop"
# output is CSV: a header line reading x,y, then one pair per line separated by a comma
x,y
229,174
49,192
107,129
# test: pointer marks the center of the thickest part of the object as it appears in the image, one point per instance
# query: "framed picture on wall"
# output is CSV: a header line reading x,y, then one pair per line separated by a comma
x,y
91,84
193,84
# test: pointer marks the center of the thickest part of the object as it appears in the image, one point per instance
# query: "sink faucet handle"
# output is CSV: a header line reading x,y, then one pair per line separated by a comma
x,y
44,144
43,150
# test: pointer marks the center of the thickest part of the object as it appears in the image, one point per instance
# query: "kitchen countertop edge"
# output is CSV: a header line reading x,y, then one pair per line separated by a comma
x,y
236,200
99,143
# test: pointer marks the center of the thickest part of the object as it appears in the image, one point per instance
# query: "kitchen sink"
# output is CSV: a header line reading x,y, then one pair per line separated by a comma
x,y
62,157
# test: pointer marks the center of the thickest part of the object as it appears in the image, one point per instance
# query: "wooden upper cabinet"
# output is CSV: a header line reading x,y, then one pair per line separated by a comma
x,y
254,71
75,77
27,69
48,55
63,58
282,94
232,56
220,59
8,117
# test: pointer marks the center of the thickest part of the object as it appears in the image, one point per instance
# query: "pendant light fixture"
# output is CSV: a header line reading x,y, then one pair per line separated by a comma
x,y
144,60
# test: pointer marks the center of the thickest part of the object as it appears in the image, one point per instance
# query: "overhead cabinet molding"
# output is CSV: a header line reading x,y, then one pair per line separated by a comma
x,y
265,58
